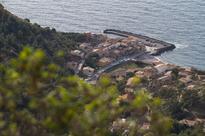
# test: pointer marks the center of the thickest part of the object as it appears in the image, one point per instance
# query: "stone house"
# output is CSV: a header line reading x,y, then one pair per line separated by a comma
x,y
85,47
104,61
78,53
186,80
88,71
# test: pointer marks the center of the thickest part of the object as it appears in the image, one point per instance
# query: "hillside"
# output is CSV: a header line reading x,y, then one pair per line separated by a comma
x,y
16,33
128,91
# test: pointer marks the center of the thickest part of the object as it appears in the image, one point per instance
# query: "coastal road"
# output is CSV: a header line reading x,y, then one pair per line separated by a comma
x,y
134,57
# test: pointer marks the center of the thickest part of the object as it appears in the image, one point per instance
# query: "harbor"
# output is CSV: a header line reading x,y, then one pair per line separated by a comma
x,y
156,47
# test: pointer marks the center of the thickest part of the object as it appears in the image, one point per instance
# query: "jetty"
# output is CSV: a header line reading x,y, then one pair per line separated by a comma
x,y
156,47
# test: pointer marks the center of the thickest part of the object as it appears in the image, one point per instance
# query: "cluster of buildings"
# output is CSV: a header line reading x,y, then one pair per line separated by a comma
x,y
157,73
161,75
114,49
109,50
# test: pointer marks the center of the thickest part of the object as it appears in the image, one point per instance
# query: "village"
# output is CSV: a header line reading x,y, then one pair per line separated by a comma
x,y
102,53
127,59
111,83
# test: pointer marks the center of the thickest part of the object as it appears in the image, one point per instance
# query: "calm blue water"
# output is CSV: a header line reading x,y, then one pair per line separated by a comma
x,y
178,21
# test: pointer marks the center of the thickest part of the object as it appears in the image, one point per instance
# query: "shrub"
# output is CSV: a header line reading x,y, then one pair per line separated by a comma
x,y
36,100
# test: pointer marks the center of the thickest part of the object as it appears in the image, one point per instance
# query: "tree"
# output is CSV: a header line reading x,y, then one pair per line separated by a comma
x,y
16,32
92,59
36,100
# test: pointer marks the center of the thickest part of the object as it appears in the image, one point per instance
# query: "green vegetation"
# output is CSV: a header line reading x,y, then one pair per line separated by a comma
x,y
39,98
15,33
183,102
36,100
92,59
131,65
126,66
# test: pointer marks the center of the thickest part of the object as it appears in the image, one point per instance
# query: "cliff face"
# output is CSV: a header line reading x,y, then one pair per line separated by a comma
x,y
15,33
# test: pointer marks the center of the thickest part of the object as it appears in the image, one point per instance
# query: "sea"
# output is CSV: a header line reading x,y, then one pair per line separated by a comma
x,y
181,22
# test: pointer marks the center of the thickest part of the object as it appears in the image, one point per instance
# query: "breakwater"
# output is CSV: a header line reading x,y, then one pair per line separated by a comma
x,y
158,46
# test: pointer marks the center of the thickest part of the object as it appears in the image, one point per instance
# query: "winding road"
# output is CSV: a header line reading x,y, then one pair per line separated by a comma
x,y
135,57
